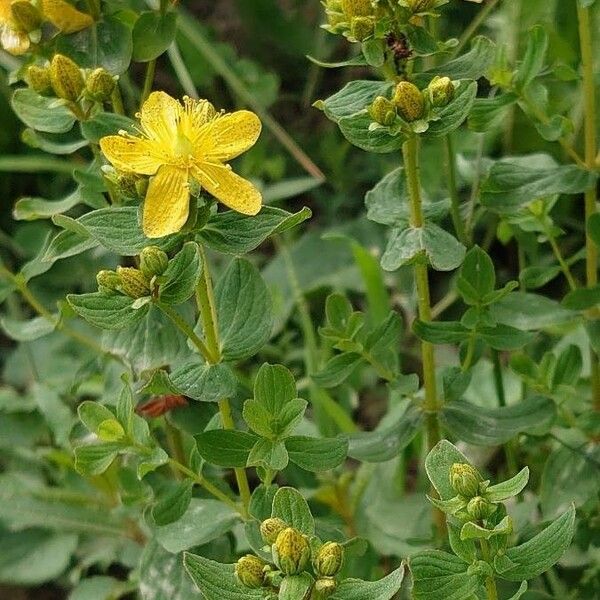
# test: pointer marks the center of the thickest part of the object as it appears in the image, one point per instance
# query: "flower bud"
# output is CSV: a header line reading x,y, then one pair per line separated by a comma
x,y
99,85
465,479
409,101
383,111
66,78
270,529
357,8
440,91
38,79
418,6
479,508
153,261
108,280
361,28
291,551
328,561
133,282
323,588
250,570
26,16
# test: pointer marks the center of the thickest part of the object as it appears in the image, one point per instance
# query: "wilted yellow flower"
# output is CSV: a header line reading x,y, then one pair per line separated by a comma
x,y
15,29
178,143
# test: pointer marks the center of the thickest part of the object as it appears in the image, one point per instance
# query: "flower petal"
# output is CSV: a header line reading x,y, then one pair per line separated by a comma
x,y
167,203
227,187
64,16
159,117
228,136
130,154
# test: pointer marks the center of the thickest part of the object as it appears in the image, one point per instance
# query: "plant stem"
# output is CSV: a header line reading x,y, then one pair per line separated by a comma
x,y
561,261
470,353
457,220
490,582
117,100
205,298
473,26
148,81
587,61
431,406
202,482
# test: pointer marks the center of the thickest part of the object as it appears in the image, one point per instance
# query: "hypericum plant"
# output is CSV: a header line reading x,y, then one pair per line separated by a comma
x,y
162,412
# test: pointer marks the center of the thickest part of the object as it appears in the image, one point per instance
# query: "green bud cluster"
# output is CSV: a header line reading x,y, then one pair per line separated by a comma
x,y
99,85
383,111
251,571
66,77
440,91
356,19
38,79
153,261
323,588
480,509
291,551
329,559
409,101
133,282
270,529
465,479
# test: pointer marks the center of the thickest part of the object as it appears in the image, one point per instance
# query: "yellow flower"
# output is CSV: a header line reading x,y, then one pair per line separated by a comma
x,y
178,143
14,32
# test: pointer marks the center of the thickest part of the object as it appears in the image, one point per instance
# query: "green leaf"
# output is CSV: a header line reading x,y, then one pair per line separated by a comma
x,y
152,34
226,447
519,593
568,367
515,181
337,369
582,299
173,505
533,61
438,575
51,144
244,310
472,531
438,463
509,488
107,311
489,113
492,426
27,331
505,337
527,311
373,51
477,276
291,507
67,243
315,454
217,581
464,549
295,586
357,589
593,228
94,459
30,209
104,123
233,233
537,555
97,587
93,414
204,382
444,252
451,116
274,387
268,454
441,332
118,229
182,275
34,556
114,45
202,522
354,97
386,442
163,576
358,130
50,115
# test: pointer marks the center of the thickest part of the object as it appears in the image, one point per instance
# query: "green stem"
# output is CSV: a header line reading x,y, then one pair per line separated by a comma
x,y
470,353
148,81
589,92
490,582
34,164
473,26
186,329
117,100
207,306
457,220
202,482
431,405
560,258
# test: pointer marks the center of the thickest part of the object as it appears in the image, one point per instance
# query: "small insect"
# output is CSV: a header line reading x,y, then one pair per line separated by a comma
x,y
160,405
398,44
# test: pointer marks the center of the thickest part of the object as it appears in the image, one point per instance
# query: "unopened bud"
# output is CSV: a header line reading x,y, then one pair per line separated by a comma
x,y
250,570
109,280
133,282
291,552
357,8
440,91
66,77
465,479
329,559
479,508
38,79
26,15
323,588
361,28
383,111
409,101
99,85
270,529
153,261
